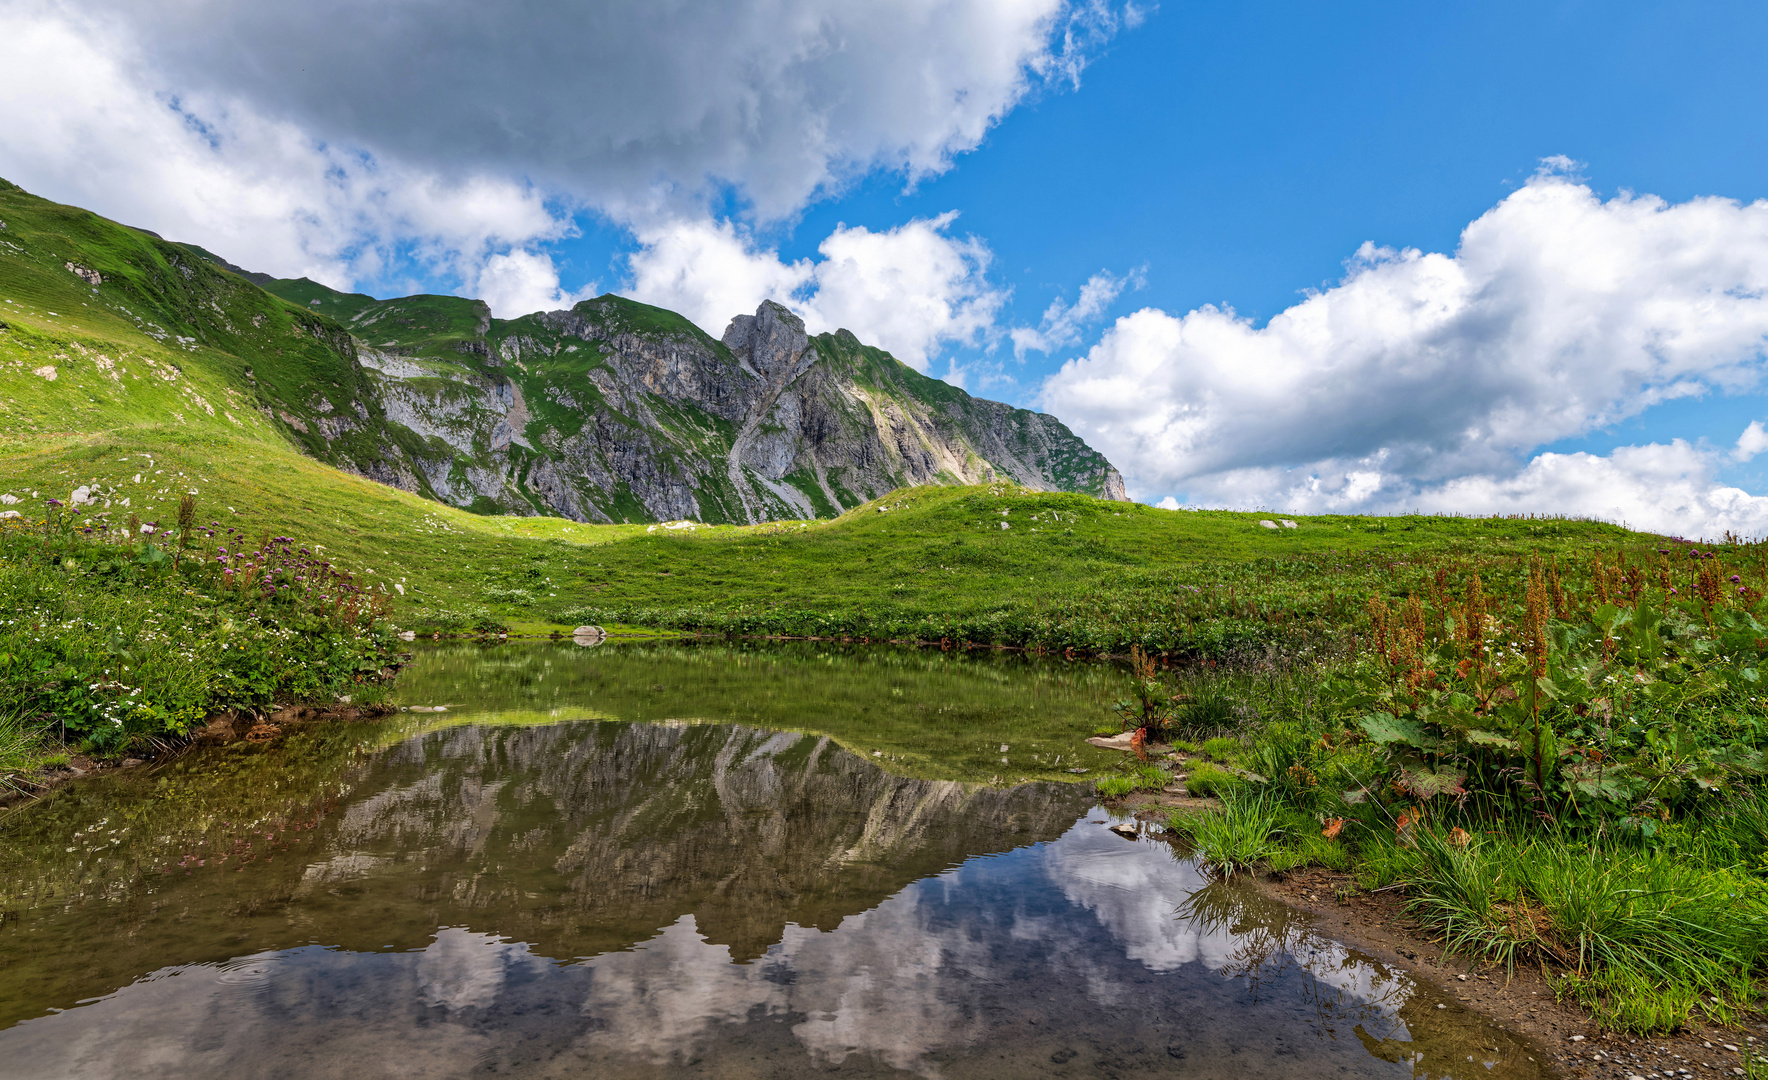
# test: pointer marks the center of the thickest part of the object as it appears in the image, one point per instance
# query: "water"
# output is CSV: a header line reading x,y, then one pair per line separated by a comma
x,y
586,868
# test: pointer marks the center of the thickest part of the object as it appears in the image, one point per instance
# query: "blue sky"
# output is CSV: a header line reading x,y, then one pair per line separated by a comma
x,y
1189,154
1241,153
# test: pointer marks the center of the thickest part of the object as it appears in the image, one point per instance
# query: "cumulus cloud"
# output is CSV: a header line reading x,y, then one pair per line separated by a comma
x,y
911,290
631,106
85,124
1559,313
1753,441
515,283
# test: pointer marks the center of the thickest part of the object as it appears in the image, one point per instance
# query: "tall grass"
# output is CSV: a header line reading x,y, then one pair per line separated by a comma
x,y
1246,832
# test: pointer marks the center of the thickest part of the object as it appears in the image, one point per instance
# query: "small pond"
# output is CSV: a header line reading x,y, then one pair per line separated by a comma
x,y
673,860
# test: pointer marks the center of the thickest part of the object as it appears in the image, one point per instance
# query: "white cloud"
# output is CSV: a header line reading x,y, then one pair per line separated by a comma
x,y
518,282
1661,488
1558,315
1753,441
1062,323
376,148
87,124
633,106
910,290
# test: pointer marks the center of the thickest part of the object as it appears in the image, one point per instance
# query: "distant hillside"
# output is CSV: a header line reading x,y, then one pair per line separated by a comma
x,y
612,411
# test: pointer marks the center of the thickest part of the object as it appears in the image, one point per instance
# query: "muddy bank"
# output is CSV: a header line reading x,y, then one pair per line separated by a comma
x,y
228,725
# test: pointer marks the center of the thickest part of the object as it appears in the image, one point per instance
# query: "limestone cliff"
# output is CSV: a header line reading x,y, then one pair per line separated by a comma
x,y
617,411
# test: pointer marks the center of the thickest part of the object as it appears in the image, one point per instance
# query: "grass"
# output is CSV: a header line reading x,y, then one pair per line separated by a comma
x,y
1245,833
126,640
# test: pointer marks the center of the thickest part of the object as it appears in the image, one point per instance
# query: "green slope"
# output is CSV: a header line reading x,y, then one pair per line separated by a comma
x,y
173,375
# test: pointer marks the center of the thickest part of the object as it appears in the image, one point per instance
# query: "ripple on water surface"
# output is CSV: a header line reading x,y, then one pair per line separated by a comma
x,y
620,898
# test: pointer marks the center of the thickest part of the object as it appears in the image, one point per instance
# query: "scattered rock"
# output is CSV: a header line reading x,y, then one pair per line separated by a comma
x,y
1287,524
90,277
1126,829
1267,524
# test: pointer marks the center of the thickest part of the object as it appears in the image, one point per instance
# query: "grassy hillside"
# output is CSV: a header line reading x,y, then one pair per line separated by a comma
x,y
158,380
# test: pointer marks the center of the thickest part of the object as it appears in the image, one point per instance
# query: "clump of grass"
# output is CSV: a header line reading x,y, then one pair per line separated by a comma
x,y
1184,747
1115,787
23,749
1206,780
1244,833
1106,731
1222,747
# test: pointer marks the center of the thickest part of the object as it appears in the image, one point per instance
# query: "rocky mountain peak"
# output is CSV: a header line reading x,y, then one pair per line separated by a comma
x,y
770,343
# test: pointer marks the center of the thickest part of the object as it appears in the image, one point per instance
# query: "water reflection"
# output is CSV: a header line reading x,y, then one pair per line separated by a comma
x,y
625,899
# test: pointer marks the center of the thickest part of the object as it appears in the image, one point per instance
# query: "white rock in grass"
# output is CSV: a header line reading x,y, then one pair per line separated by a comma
x,y
9,498
7,515
1287,524
1267,524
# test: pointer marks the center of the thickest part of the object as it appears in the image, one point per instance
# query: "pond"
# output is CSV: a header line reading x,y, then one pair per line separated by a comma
x,y
679,860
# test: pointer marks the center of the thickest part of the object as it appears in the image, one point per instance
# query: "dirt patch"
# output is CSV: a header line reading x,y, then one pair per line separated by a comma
x,y
1525,1003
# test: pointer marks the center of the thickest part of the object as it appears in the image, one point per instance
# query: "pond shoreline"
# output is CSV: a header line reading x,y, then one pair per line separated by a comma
x,y
224,726
1523,1003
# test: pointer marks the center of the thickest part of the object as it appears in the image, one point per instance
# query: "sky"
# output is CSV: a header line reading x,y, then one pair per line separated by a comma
x,y
1372,257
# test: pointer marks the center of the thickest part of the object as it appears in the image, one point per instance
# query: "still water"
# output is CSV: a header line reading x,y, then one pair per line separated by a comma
x,y
671,861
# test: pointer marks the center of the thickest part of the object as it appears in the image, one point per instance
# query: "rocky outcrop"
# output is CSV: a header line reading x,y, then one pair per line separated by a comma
x,y
616,411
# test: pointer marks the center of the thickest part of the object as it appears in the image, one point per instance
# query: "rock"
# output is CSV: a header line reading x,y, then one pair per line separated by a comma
x,y
1267,524
1126,829
589,631
426,708
90,277
6,515
1287,524
130,762
1115,742
408,635
1079,772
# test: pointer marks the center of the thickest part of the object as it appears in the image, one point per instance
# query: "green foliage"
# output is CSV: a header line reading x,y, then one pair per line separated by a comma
x,y
1222,748
120,638
1206,780
1115,787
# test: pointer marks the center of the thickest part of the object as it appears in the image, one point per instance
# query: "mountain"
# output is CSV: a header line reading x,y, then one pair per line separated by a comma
x,y
611,411
615,410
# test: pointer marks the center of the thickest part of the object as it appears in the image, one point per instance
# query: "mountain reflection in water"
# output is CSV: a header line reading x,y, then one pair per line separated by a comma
x,y
615,899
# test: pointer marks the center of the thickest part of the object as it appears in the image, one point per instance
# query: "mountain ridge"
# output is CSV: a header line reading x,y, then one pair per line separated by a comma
x,y
610,411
